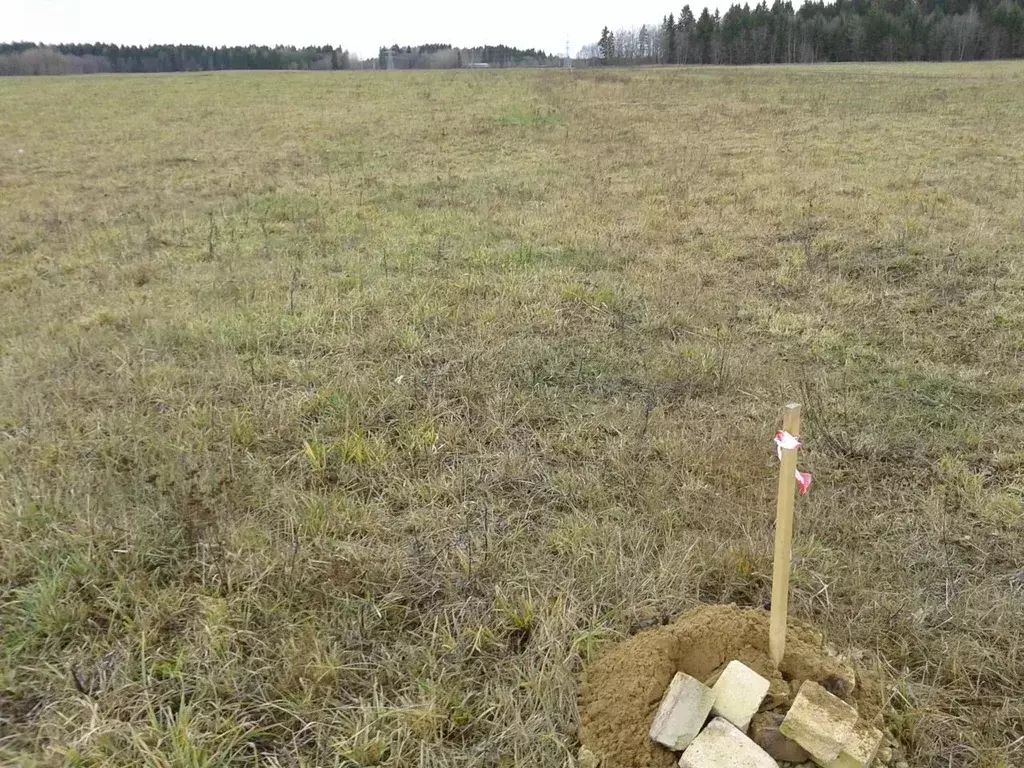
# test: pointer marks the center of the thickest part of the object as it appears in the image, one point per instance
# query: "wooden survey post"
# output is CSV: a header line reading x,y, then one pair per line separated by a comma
x,y
783,537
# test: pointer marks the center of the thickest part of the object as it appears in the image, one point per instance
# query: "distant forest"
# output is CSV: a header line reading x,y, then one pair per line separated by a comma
x,y
845,30
36,59
444,56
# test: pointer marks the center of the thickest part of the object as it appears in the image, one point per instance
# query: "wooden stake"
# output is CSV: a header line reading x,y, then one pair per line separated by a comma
x,y
783,538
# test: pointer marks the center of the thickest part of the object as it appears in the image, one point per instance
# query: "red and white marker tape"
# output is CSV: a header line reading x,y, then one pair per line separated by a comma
x,y
786,441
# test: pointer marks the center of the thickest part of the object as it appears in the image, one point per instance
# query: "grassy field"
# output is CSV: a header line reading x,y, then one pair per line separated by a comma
x,y
344,417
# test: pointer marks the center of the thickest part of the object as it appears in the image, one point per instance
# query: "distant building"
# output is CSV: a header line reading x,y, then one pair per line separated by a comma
x,y
479,65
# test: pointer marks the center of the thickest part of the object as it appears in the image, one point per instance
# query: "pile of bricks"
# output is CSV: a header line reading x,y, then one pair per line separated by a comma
x,y
721,726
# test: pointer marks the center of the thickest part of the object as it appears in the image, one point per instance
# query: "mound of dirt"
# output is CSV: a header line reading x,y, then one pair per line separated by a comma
x,y
623,688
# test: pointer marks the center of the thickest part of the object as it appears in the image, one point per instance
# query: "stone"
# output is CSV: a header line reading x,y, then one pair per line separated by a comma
x,y
683,712
885,751
764,731
587,759
739,692
723,745
860,749
820,723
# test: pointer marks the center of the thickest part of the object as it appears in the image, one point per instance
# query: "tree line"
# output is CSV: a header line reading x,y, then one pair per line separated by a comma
x,y
844,30
84,59
36,59
819,31
445,56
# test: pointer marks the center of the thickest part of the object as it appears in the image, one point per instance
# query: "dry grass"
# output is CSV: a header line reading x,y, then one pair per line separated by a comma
x,y
344,416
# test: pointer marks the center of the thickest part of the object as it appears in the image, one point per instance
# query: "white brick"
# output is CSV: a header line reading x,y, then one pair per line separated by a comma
x,y
820,723
723,745
860,748
682,713
739,692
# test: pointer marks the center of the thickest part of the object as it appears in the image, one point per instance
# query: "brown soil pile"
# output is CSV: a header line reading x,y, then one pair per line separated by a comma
x,y
622,689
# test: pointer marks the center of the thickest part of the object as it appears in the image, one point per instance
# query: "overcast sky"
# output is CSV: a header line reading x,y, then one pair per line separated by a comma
x,y
358,25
